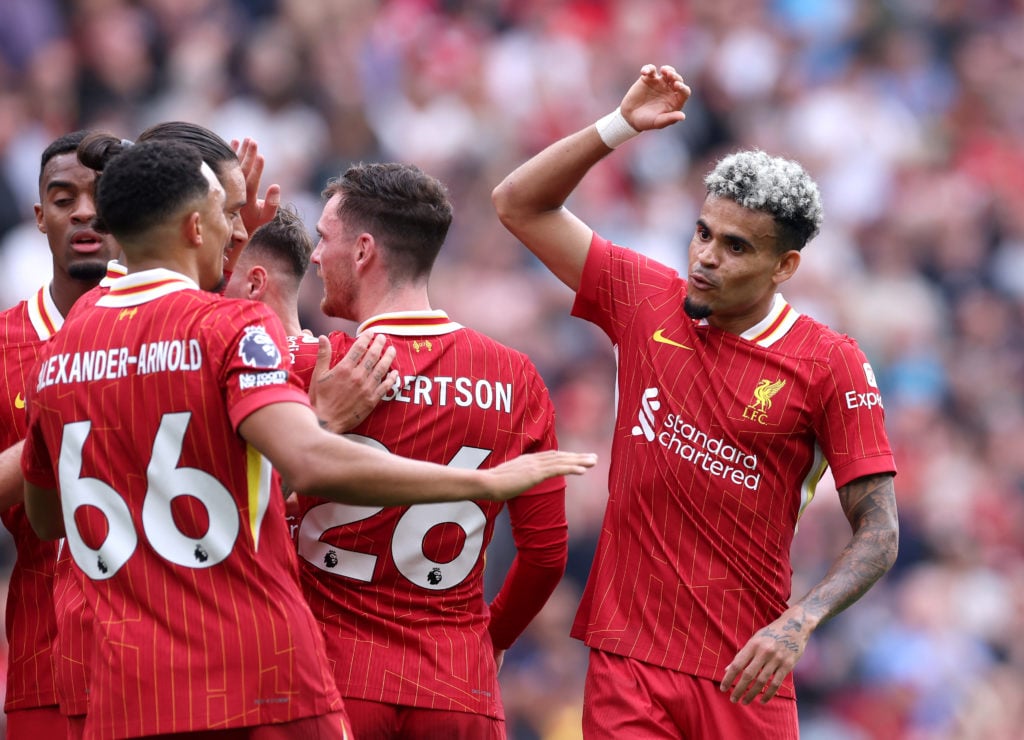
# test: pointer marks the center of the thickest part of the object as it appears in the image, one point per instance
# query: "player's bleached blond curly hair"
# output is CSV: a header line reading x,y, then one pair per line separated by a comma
x,y
780,187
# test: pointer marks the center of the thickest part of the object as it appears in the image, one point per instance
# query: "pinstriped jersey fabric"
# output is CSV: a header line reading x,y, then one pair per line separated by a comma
x,y
72,647
198,618
719,442
399,591
31,626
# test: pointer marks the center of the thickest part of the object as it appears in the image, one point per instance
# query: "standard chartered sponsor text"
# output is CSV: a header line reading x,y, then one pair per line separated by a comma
x,y
711,454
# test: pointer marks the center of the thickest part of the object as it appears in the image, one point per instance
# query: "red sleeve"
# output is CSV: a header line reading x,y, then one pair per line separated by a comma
x,y
851,425
36,466
541,536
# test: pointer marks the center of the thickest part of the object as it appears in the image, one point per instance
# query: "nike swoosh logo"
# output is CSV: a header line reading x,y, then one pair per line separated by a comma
x,y
19,402
659,336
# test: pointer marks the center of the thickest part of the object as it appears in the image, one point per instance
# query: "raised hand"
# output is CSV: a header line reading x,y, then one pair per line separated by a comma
x,y
257,210
656,99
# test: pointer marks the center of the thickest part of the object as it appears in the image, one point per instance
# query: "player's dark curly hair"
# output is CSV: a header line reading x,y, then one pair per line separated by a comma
x,y
404,208
65,144
142,184
780,187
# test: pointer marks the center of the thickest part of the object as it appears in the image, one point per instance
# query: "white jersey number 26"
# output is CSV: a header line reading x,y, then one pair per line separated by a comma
x,y
407,540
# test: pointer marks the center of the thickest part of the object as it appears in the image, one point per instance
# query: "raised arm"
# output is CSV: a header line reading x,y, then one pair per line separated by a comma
x,y
531,200
763,663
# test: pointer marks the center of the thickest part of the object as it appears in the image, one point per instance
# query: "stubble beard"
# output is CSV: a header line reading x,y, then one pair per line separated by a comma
x,y
695,310
87,272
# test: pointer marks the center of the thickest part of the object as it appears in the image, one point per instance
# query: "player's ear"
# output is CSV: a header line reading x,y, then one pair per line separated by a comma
x,y
40,223
786,267
366,248
192,228
258,282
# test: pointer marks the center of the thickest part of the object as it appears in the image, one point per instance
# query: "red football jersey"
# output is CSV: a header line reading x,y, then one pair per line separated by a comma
x,y
31,625
303,350
718,444
173,519
399,590
72,648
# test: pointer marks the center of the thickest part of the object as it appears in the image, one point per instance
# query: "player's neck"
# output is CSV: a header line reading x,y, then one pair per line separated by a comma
x,y
396,300
65,290
288,312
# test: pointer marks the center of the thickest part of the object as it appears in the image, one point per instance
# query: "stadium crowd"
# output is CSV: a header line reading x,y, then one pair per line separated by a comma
x,y
909,113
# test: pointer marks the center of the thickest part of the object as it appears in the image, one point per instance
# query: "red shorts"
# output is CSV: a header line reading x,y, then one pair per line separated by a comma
x,y
371,719
332,726
623,697
36,723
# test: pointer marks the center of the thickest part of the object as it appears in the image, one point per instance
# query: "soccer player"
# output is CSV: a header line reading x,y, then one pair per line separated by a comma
x,y
730,405
414,647
153,425
238,170
271,267
271,270
79,253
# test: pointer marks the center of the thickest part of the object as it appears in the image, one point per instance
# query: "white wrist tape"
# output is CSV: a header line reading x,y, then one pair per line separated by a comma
x,y
614,129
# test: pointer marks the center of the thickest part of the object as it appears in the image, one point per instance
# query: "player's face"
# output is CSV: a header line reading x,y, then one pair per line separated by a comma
x,y
234,200
66,213
237,285
734,266
333,257
216,230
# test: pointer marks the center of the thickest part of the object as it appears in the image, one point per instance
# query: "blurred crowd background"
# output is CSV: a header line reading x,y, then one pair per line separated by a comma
x,y
910,114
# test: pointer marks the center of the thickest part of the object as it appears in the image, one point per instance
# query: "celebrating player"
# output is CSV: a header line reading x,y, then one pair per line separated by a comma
x,y
730,405
399,591
66,213
153,425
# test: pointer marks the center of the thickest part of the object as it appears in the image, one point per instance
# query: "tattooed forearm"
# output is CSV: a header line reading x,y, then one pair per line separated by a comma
x,y
870,506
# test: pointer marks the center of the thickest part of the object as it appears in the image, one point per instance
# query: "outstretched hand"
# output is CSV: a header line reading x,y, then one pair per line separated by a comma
x,y
522,473
656,99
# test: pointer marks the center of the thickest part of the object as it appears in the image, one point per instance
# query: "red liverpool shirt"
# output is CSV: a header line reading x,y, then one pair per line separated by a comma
x,y
719,443
31,625
399,590
174,521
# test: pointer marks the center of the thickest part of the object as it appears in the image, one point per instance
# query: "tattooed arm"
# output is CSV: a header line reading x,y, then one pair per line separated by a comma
x,y
768,657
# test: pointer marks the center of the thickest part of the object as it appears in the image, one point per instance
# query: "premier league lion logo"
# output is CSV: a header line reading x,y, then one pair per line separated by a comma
x,y
257,349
